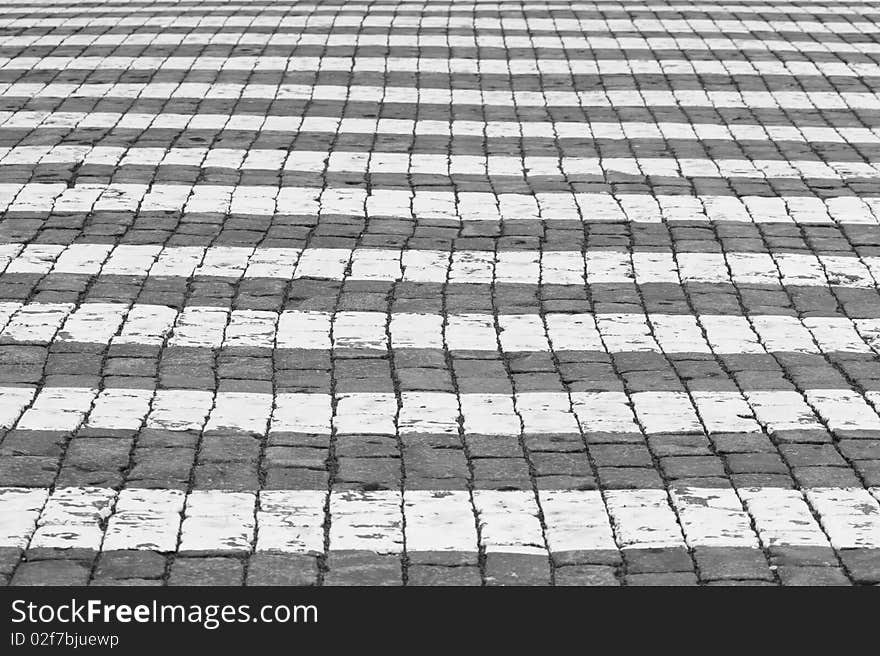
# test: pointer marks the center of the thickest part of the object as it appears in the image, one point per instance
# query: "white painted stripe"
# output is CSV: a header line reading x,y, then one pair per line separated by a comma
x,y
440,521
786,410
218,521
65,6
215,327
166,412
376,162
438,96
56,408
37,323
65,409
576,520
643,519
413,205
291,521
371,521
477,23
669,412
427,266
121,409
145,519
13,402
537,41
72,517
240,412
849,516
713,518
782,517
452,65
20,510
509,522
843,411
720,413
615,131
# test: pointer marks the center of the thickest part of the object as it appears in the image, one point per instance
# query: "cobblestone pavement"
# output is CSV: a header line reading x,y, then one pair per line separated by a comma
x,y
429,292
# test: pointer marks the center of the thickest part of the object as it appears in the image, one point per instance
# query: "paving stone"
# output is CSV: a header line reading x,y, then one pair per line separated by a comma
x,y
51,572
117,565
667,579
714,563
9,558
363,568
740,583
810,576
282,569
796,557
862,565
458,558
610,557
430,575
126,582
586,575
517,569
205,571
658,560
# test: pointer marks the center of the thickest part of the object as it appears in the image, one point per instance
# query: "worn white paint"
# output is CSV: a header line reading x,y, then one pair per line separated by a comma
x,y
71,519
439,521
63,409
293,521
416,204
643,519
713,518
145,519
218,521
371,521
576,520
252,200
509,522
523,267
849,516
531,24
